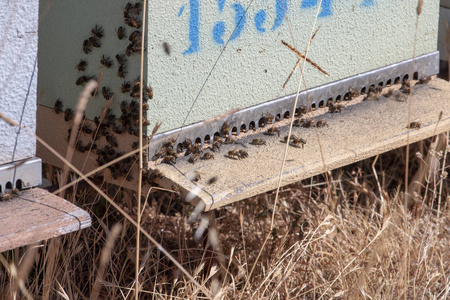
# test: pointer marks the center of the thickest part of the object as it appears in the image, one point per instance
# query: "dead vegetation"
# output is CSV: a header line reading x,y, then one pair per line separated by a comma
x,y
347,245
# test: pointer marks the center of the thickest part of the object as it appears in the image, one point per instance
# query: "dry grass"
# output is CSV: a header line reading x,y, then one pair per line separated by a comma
x,y
355,251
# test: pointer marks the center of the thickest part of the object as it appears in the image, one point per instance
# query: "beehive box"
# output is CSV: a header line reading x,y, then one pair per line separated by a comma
x,y
203,59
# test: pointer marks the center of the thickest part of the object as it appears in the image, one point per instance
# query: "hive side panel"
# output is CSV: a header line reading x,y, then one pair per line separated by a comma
x,y
64,26
229,54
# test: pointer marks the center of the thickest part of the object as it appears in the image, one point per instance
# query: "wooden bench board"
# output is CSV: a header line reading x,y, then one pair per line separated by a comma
x,y
35,215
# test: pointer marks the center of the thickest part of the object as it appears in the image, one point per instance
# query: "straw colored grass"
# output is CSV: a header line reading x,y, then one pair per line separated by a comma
x,y
354,251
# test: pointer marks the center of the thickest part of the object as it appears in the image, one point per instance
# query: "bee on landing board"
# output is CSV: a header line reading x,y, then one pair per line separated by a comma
x,y
414,125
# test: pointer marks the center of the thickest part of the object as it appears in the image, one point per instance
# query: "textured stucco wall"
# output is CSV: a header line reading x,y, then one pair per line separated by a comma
x,y
18,76
355,36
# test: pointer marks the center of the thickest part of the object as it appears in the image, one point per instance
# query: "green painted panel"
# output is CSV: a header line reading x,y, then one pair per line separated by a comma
x,y
225,54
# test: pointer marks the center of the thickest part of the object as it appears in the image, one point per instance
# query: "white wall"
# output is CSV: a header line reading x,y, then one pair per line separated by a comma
x,y
18,76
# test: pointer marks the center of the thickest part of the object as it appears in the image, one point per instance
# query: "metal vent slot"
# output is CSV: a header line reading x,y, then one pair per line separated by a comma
x,y
27,174
250,118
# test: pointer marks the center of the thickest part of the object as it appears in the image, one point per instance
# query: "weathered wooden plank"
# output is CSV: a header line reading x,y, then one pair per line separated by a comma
x,y
363,129
35,215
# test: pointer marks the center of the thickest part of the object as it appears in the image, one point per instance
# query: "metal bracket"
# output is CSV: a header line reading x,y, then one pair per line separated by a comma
x,y
425,65
26,173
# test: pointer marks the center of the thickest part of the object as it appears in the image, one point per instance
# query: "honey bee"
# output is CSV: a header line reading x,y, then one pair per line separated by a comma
x,y
81,65
371,96
134,145
170,159
132,22
424,80
94,41
258,142
353,93
145,106
106,92
79,146
83,79
228,140
207,156
127,9
121,72
321,123
212,180
121,59
377,90
406,87
389,93
129,50
111,139
287,137
126,87
298,142
135,37
166,48
149,90
302,110
90,146
117,129
307,122
137,8
121,33
106,61
97,31
58,107
162,152
146,122
194,149
298,122
194,176
215,147
414,125
225,129
217,138
87,47
87,128
187,143
68,114
234,154
238,154
124,107
273,130
243,153
268,119
170,142
135,94
334,108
